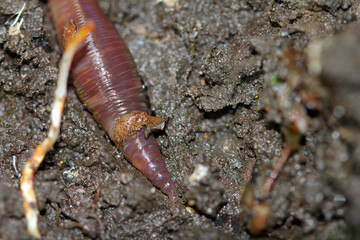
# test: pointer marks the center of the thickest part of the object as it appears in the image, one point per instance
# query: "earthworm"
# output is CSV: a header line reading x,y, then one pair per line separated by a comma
x,y
105,78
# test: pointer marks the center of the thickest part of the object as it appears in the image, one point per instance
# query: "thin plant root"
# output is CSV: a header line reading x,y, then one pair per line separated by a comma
x,y
27,180
276,171
15,26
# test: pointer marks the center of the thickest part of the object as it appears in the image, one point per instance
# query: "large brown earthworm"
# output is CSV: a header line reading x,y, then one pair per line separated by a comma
x,y
105,78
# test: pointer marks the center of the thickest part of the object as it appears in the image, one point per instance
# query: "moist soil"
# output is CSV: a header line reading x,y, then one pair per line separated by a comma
x,y
239,83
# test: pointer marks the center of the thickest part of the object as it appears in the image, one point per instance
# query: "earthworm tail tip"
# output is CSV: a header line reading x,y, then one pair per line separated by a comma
x,y
169,189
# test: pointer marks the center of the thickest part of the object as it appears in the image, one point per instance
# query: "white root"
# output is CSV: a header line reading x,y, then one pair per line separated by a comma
x,y
15,26
27,180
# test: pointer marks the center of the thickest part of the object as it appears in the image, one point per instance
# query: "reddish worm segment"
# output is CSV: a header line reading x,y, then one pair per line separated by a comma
x,y
106,80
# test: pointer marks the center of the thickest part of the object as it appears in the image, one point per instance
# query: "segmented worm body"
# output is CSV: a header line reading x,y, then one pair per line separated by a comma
x,y
105,78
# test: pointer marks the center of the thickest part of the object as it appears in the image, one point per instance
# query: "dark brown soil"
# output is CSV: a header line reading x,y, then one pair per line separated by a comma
x,y
237,81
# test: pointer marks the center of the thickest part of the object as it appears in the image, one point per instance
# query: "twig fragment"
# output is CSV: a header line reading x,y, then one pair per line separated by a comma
x,y
27,180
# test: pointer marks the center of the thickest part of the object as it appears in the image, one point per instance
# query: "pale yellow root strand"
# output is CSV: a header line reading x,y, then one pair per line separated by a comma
x,y
30,167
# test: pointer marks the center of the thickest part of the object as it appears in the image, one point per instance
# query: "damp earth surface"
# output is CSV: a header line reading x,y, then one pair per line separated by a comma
x,y
241,84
